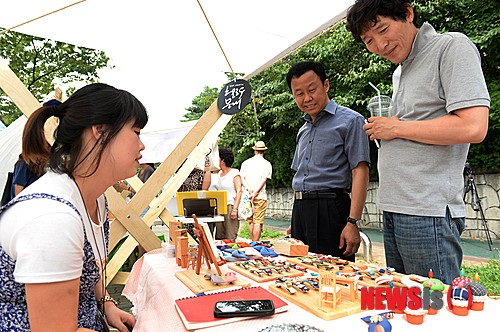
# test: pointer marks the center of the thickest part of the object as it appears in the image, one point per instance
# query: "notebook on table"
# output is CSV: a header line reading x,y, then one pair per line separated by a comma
x,y
197,312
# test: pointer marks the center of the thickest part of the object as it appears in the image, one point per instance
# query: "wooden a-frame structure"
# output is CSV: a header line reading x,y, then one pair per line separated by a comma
x,y
171,174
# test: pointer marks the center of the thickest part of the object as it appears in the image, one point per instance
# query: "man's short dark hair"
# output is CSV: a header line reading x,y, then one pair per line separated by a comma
x,y
227,155
300,68
363,14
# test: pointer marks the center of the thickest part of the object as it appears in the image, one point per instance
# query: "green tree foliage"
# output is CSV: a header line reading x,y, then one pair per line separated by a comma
x,y
201,103
42,63
275,118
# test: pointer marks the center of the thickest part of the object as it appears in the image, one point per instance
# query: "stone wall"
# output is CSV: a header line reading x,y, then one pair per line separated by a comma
x,y
280,201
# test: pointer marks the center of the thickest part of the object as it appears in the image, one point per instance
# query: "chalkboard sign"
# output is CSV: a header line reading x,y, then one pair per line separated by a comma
x,y
234,96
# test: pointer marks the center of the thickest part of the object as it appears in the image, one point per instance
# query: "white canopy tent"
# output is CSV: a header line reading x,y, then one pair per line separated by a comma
x,y
158,144
164,51
168,61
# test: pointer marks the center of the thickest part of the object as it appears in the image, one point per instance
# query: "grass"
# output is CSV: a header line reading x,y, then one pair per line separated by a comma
x,y
266,234
489,275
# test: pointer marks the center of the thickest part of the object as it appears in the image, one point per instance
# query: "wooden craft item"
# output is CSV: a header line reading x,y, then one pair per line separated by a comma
x,y
367,280
289,249
204,249
181,251
172,227
265,277
310,302
329,293
326,266
198,284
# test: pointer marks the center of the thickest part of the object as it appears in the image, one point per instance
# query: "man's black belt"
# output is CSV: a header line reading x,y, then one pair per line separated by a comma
x,y
329,194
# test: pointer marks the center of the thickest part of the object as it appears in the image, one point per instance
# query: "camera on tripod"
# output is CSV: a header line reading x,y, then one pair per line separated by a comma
x,y
467,170
470,185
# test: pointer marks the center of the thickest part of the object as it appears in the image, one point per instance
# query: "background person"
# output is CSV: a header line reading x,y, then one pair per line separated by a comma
x,y
254,174
147,169
210,179
31,164
331,159
53,237
230,181
440,102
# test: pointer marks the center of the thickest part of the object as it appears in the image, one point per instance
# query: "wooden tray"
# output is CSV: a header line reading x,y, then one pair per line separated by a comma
x,y
198,284
265,277
310,302
335,267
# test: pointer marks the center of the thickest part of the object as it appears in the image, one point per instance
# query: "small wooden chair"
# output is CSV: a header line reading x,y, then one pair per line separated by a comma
x,y
329,292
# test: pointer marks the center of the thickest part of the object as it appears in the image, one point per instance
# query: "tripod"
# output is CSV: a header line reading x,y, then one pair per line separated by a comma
x,y
475,203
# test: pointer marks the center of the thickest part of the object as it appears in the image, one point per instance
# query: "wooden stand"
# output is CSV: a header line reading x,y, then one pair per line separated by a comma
x,y
204,249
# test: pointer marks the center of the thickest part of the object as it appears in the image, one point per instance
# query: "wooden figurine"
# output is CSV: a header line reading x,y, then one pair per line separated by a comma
x,y
329,292
204,249
192,255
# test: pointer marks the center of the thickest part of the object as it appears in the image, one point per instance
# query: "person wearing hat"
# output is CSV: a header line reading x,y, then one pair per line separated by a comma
x,y
254,173
331,160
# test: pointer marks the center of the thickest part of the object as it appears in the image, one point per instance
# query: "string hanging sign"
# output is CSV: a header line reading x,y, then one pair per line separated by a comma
x,y
234,96
237,93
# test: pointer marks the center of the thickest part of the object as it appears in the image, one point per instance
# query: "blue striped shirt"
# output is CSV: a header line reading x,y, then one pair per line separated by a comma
x,y
329,148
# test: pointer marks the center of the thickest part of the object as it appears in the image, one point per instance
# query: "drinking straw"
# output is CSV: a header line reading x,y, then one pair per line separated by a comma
x,y
379,108
379,100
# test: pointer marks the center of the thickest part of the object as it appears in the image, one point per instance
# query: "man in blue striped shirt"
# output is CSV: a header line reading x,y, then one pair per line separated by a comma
x,y
332,160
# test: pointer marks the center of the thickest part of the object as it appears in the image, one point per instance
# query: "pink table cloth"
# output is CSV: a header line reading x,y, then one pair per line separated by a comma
x,y
152,288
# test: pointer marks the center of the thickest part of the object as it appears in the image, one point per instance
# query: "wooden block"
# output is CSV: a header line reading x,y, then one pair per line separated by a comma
x,y
177,233
181,250
289,249
172,227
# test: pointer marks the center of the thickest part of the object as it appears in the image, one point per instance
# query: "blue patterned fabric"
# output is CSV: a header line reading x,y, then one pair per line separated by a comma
x,y
13,307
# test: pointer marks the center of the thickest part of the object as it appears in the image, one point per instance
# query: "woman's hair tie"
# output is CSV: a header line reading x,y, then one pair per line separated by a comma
x,y
55,111
54,103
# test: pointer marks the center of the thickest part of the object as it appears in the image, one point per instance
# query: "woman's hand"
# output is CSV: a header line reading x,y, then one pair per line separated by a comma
x,y
234,214
118,318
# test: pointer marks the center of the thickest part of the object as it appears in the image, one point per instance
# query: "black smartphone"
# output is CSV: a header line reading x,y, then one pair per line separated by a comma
x,y
225,309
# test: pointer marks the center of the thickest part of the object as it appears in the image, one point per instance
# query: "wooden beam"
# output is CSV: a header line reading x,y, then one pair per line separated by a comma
x,y
120,278
22,98
16,90
160,203
168,168
131,221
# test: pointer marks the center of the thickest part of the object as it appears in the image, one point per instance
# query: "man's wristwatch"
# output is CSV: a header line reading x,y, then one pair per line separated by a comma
x,y
356,222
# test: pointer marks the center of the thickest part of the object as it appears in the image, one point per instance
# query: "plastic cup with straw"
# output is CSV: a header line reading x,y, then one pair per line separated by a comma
x,y
379,109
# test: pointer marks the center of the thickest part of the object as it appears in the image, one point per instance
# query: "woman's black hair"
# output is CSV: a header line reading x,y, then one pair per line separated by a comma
x,y
93,105
365,12
226,155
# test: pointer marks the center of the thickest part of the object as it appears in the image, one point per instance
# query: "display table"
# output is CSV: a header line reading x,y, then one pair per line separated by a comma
x,y
152,288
